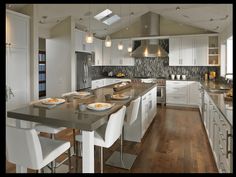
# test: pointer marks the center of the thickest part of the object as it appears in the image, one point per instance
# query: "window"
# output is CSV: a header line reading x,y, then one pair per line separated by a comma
x,y
229,55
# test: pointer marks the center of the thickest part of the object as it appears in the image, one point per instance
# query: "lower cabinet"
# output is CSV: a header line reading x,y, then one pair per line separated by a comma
x,y
147,112
183,93
220,135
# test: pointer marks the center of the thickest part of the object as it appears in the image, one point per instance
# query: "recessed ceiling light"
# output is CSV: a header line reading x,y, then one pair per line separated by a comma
x,y
111,20
103,14
178,8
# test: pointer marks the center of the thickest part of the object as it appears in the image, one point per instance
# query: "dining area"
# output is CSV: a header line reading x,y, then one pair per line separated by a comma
x,y
99,115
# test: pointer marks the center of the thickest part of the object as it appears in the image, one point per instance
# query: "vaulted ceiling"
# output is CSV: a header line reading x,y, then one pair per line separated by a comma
x,y
212,17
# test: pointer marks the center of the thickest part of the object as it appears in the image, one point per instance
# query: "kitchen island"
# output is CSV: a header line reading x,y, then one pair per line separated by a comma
x,y
69,115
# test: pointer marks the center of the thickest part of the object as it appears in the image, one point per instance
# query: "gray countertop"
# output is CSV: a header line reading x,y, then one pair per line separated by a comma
x,y
69,115
224,106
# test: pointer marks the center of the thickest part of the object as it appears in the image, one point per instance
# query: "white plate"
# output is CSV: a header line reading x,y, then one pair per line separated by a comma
x,y
99,106
119,97
53,101
82,93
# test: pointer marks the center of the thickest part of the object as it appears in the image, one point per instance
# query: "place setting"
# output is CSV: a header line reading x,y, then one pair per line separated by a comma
x,y
49,102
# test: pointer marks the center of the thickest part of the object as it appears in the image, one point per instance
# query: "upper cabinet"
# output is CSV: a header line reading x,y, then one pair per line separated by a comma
x,y
17,30
213,51
98,51
180,51
114,57
200,46
188,51
80,43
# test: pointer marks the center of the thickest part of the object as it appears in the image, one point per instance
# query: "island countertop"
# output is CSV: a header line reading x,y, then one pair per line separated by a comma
x,y
69,114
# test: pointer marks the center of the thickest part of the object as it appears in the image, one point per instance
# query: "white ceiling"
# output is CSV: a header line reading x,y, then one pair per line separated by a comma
x,y
197,15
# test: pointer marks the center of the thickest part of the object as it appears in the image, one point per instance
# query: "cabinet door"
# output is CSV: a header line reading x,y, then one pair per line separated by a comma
x,y
127,59
116,55
16,31
194,93
174,51
78,40
186,52
200,50
98,51
107,51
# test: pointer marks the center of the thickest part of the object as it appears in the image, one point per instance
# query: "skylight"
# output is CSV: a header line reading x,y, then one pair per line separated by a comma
x,y
111,20
103,14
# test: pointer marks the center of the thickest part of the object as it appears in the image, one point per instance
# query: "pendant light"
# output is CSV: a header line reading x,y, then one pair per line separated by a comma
x,y
89,35
108,41
108,38
120,44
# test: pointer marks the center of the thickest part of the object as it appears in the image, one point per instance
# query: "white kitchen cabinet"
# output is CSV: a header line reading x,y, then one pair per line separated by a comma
x,y
174,51
107,52
183,93
194,97
114,57
181,51
98,51
97,83
188,51
17,62
80,43
220,135
177,92
200,50
127,59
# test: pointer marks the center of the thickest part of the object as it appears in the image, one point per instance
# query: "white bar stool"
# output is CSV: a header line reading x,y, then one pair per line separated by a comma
x,y
107,134
25,148
120,159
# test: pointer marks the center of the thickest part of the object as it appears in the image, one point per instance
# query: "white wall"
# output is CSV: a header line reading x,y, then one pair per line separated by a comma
x,y
59,59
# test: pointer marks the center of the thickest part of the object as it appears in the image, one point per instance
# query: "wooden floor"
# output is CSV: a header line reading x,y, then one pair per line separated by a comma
x,y
176,142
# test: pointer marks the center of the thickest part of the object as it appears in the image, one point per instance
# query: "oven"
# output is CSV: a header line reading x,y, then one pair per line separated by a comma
x,y
161,90
161,94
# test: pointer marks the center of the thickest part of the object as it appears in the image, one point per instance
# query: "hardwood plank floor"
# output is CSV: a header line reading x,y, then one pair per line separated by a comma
x,y
176,142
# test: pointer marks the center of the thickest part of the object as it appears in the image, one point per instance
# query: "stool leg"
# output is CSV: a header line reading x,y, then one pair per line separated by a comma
x,y
101,162
53,169
74,133
69,166
76,160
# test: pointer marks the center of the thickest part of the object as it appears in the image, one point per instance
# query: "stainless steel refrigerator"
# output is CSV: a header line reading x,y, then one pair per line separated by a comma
x,y
84,61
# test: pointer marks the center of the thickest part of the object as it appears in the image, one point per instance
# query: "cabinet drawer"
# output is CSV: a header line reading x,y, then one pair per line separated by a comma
x,y
180,99
178,89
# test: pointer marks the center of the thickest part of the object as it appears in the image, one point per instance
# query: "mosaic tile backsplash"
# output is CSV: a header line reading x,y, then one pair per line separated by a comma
x,y
155,67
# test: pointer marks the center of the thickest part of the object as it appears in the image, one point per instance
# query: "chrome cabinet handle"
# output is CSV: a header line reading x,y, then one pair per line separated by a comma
x,y
10,93
228,135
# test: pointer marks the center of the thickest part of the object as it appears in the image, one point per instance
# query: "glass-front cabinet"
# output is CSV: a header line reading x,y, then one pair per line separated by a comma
x,y
213,51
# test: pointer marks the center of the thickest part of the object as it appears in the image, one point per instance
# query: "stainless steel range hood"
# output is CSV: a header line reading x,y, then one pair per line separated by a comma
x,y
149,47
